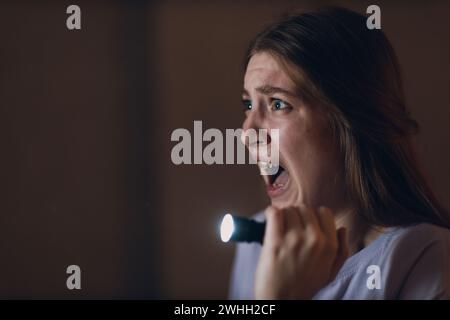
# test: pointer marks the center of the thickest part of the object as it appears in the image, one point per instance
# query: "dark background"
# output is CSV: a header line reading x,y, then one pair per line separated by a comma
x,y
85,122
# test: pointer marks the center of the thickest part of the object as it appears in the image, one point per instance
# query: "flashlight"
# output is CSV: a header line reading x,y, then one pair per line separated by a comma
x,y
241,229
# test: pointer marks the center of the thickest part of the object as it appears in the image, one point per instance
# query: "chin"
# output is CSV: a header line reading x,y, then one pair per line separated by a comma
x,y
286,200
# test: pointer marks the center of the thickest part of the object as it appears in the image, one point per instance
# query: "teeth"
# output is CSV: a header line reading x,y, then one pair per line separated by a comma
x,y
278,185
267,168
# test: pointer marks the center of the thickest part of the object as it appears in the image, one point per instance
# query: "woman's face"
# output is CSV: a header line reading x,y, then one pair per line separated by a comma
x,y
308,159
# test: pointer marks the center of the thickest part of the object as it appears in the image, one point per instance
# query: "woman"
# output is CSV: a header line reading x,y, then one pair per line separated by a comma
x,y
351,215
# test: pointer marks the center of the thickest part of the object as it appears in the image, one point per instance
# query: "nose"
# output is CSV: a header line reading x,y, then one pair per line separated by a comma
x,y
256,133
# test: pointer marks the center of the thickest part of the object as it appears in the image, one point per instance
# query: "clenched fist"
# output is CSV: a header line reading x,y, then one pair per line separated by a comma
x,y
302,253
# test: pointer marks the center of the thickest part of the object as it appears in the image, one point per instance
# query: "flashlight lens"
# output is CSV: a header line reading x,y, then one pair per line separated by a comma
x,y
227,228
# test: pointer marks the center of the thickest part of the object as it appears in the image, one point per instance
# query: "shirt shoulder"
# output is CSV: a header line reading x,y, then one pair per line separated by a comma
x,y
403,263
416,260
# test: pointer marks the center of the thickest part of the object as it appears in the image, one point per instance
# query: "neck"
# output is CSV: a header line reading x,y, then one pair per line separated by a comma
x,y
359,233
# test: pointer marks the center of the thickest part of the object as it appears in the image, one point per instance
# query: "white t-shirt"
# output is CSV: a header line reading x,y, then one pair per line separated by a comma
x,y
403,263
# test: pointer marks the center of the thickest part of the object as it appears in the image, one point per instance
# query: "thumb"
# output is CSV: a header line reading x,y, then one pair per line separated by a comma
x,y
342,253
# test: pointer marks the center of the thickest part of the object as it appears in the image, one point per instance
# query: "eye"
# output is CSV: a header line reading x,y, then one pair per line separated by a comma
x,y
278,104
247,104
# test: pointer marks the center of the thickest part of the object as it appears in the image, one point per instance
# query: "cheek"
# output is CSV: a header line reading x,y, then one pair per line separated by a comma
x,y
290,139
308,148
293,137
304,138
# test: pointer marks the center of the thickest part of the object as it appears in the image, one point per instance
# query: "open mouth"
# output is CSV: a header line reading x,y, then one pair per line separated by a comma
x,y
276,179
276,183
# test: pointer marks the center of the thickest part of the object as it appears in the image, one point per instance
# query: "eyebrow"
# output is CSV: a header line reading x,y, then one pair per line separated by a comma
x,y
268,90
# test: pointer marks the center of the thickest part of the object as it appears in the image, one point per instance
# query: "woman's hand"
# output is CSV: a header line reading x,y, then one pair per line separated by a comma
x,y
302,253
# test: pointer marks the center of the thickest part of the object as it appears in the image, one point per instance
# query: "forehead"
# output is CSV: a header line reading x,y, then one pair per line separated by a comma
x,y
264,69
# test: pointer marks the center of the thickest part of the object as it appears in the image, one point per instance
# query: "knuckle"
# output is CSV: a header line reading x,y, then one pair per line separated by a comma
x,y
294,240
271,210
274,247
316,242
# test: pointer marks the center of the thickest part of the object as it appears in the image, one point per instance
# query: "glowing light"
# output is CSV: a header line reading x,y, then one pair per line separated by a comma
x,y
227,228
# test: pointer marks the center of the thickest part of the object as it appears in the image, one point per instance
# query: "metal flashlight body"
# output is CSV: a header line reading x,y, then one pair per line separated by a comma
x,y
240,229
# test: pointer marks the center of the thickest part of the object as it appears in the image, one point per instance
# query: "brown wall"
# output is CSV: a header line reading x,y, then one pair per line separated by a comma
x,y
71,151
85,124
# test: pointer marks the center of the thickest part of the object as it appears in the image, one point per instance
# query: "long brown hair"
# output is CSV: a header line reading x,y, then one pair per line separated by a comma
x,y
353,74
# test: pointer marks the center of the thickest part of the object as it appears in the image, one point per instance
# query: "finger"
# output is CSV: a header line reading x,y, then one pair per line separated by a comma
x,y
309,219
327,223
274,226
342,253
293,219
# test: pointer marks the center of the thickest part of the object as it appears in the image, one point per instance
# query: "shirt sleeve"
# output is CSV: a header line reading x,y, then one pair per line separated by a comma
x,y
244,266
243,271
235,291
